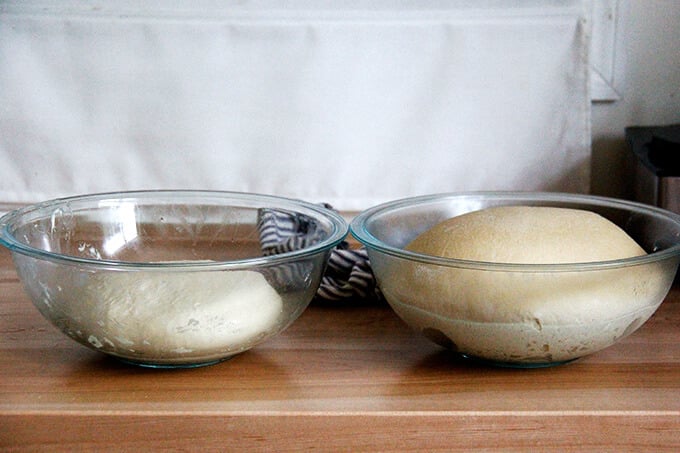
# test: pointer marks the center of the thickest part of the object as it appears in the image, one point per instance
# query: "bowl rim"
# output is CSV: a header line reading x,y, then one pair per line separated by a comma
x,y
367,239
340,229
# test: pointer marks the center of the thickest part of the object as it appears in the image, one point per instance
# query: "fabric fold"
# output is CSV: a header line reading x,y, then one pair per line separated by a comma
x,y
348,274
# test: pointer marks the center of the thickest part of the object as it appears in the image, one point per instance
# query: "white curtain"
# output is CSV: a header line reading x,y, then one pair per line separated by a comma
x,y
348,102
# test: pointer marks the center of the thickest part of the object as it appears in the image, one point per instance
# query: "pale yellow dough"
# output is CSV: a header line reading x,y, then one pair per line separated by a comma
x,y
528,235
159,314
535,316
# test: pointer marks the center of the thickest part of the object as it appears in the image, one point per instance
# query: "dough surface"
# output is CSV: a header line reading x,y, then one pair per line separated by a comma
x,y
508,315
152,315
527,235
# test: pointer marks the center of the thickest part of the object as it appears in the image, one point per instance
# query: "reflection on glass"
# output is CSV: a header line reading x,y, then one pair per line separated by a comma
x,y
124,226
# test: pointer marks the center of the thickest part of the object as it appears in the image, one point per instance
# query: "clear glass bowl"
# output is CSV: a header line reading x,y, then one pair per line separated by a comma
x,y
169,278
542,314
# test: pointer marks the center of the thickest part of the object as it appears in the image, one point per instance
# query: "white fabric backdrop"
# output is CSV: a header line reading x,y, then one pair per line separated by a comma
x,y
352,103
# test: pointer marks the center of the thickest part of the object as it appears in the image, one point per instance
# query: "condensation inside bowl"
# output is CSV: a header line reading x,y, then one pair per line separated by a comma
x,y
126,232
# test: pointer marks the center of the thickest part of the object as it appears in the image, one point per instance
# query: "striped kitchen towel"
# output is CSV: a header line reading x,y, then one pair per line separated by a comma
x,y
348,274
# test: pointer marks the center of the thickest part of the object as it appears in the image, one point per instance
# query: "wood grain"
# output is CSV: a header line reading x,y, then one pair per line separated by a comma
x,y
344,377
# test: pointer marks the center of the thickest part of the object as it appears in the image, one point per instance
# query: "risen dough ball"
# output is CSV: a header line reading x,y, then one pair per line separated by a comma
x,y
528,235
514,315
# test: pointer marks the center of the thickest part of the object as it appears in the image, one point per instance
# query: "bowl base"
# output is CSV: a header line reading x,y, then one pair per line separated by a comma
x,y
170,366
524,365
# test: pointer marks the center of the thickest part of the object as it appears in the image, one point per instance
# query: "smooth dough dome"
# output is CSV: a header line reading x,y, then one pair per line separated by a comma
x,y
527,235
511,315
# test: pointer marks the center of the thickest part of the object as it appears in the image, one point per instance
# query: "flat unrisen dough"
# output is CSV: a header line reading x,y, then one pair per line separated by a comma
x,y
528,235
524,316
152,315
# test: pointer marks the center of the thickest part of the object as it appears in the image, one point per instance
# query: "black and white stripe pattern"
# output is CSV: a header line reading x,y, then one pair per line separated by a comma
x,y
282,231
348,274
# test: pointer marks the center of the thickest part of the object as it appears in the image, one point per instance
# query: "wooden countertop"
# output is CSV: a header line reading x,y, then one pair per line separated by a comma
x,y
343,377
